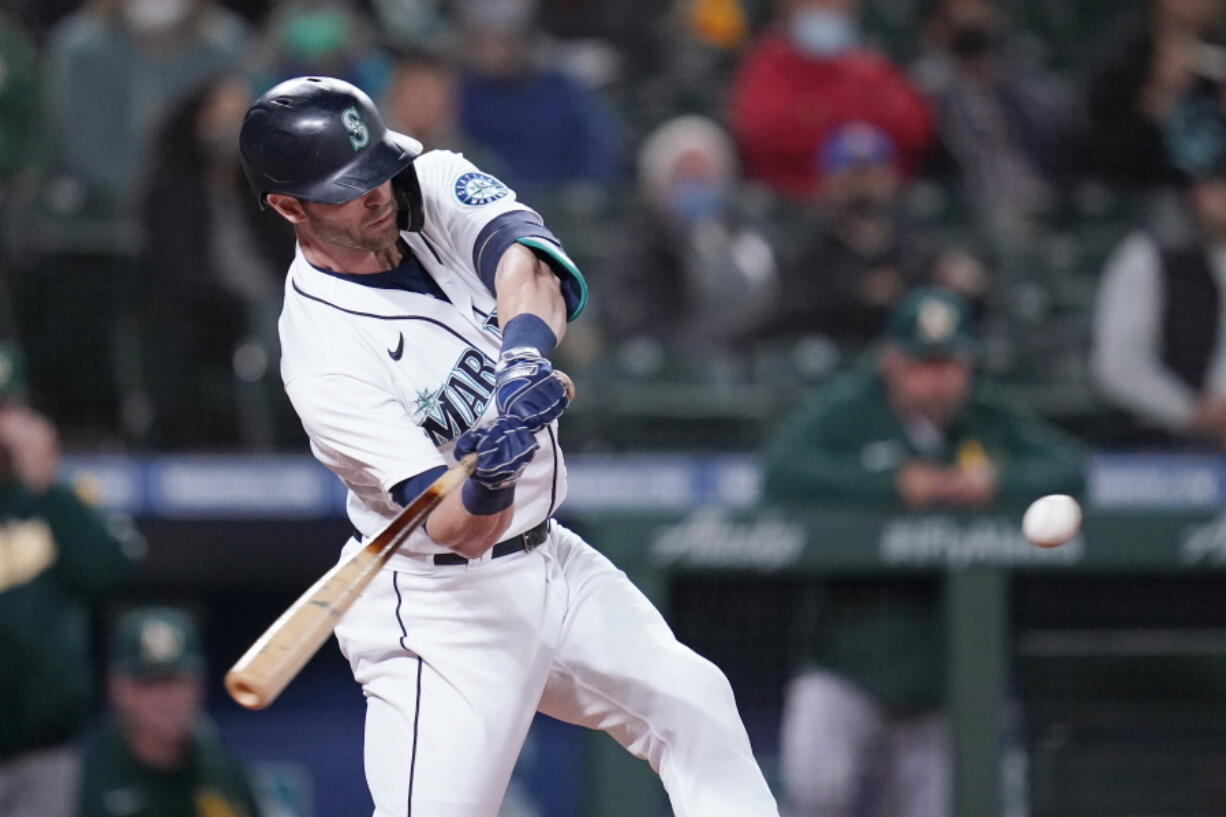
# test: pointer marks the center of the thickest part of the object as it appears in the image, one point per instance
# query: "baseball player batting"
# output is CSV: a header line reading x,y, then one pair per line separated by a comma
x,y
420,310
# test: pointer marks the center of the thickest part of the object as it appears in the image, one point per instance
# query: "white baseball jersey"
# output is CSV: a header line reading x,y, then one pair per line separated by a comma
x,y
386,379
455,660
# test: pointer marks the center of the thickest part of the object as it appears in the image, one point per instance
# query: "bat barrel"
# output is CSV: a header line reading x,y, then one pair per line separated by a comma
x,y
266,669
283,650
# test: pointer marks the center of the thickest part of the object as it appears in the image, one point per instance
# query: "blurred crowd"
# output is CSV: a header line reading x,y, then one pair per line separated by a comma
x,y
914,211
750,186
61,559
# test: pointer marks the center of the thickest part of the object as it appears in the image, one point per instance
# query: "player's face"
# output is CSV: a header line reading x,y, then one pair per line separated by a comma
x,y
934,388
365,223
162,709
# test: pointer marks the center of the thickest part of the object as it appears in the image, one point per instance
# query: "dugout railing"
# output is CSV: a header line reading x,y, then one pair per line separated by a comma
x,y
1114,644
1087,680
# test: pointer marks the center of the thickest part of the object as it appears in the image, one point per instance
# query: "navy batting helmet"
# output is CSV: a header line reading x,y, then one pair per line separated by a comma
x,y
322,140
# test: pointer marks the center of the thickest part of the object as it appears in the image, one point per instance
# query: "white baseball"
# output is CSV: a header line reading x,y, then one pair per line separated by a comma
x,y
1052,520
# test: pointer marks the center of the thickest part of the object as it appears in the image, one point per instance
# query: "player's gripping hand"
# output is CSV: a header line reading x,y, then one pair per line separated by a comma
x,y
525,387
504,448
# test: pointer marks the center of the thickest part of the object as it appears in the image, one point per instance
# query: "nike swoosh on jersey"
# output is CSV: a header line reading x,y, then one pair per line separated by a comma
x,y
398,352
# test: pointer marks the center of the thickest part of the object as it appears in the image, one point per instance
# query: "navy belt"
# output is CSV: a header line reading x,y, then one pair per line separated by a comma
x,y
528,540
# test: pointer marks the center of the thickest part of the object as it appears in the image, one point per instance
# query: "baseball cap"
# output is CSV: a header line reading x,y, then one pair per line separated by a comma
x,y
932,323
157,642
12,371
856,144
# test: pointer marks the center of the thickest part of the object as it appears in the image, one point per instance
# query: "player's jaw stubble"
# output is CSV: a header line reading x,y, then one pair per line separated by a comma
x,y
372,235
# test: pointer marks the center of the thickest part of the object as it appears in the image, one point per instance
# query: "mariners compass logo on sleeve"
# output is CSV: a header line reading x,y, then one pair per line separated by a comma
x,y
479,188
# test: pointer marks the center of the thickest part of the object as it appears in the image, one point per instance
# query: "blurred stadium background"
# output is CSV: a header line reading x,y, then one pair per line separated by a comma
x,y
141,286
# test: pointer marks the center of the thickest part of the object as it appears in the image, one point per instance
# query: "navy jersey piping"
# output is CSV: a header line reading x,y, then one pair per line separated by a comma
x,y
403,632
553,485
413,754
409,275
417,705
437,323
430,247
393,278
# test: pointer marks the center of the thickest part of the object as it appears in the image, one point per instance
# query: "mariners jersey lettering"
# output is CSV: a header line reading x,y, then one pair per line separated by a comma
x,y
385,380
454,408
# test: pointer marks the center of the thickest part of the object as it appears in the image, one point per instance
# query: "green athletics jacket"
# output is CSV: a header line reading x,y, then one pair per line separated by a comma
x,y
844,448
56,556
210,784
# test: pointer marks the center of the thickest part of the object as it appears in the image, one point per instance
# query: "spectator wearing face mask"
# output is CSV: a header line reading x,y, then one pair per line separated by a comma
x,y
411,24
1001,118
859,254
807,75
548,131
112,71
213,264
1159,350
1150,61
698,268
422,97
321,38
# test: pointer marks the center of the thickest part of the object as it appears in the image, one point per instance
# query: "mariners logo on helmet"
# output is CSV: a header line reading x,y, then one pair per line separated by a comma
x,y
479,188
359,135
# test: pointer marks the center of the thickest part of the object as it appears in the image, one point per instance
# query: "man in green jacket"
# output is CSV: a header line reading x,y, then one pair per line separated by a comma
x,y
159,756
913,429
57,556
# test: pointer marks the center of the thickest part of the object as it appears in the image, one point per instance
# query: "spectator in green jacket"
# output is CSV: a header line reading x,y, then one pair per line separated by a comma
x,y
160,756
915,429
57,556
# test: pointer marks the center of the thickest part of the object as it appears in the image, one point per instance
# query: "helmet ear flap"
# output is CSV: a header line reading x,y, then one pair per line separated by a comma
x,y
410,210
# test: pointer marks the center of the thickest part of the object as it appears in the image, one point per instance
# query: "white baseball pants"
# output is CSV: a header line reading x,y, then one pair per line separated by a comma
x,y
455,661
842,757
41,783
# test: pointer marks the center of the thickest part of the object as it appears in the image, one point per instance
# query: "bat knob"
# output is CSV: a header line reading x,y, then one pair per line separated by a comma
x,y
244,693
568,385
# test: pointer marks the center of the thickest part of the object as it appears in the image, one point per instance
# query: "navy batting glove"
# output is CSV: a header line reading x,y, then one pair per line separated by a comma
x,y
525,387
504,448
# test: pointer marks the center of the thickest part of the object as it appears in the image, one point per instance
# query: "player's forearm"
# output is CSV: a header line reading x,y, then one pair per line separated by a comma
x,y
470,535
524,284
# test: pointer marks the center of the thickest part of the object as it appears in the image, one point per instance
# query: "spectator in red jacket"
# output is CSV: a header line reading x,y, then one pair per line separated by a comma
x,y
806,76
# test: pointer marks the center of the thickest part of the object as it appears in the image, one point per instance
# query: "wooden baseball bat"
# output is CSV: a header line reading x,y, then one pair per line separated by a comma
x,y
282,651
